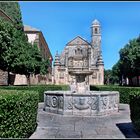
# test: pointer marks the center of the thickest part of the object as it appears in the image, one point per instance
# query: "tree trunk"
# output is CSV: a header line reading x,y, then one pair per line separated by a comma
x,y
130,81
107,80
138,81
120,80
28,79
8,80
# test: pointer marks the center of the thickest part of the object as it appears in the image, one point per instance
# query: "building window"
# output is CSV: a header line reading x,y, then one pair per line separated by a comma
x,y
96,30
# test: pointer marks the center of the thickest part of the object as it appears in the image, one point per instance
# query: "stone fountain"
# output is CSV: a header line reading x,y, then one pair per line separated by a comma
x,y
79,100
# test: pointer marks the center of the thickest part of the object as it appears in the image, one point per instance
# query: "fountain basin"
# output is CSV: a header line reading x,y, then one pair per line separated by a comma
x,y
90,103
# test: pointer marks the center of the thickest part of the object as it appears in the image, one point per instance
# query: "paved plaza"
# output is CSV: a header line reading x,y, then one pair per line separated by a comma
x,y
116,126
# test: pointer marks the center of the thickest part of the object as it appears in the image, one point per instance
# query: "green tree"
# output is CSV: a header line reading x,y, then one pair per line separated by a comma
x,y
7,45
12,46
17,55
44,66
117,73
12,9
28,61
107,77
111,76
130,59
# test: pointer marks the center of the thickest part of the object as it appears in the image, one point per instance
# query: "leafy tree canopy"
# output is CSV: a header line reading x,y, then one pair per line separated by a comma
x,y
130,58
17,55
12,9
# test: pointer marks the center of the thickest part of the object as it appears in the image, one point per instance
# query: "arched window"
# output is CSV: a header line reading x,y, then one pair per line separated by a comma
x,y
96,30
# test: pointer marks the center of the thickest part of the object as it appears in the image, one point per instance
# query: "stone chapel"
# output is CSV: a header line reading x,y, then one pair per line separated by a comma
x,y
78,55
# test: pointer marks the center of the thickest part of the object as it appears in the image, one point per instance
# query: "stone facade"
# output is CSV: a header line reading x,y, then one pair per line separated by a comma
x,y
80,55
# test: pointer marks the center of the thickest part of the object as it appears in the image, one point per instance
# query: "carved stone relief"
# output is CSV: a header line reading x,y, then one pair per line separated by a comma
x,y
104,101
93,102
78,63
78,51
113,102
90,103
54,101
61,102
70,104
80,103
47,100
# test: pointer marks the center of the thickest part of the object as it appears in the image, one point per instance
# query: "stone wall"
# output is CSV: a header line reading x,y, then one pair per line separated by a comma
x,y
3,77
20,80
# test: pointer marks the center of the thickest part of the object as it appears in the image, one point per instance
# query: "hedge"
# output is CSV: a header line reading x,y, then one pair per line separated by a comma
x,y
39,88
124,91
18,113
135,109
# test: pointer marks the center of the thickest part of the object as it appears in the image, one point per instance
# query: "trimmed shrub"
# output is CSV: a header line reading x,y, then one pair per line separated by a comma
x,y
135,109
18,113
124,91
39,88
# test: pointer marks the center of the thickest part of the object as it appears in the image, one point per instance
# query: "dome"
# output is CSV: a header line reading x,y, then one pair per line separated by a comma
x,y
95,22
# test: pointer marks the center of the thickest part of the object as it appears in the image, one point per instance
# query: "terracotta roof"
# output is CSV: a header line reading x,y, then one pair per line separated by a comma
x,y
29,28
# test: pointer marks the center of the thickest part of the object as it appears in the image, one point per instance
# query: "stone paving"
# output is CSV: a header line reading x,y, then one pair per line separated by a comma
x,y
116,126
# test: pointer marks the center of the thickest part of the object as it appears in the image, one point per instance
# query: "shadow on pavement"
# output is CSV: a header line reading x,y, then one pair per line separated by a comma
x,y
128,130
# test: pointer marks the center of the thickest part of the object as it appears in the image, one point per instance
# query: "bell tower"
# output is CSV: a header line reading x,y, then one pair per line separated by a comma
x,y
95,40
